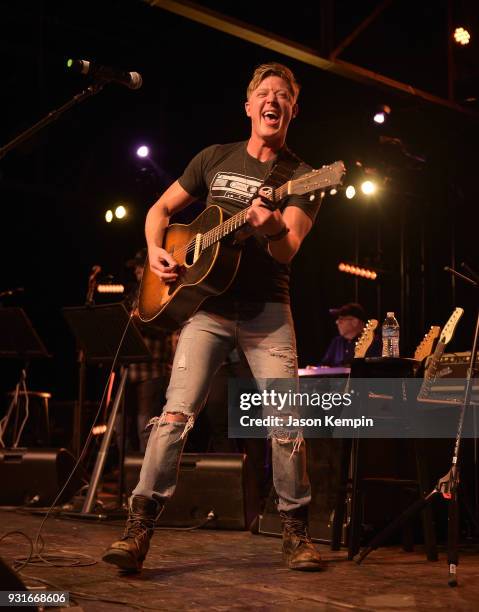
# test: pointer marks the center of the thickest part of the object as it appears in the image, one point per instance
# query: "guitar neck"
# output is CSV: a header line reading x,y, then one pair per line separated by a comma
x,y
433,365
431,369
324,178
237,221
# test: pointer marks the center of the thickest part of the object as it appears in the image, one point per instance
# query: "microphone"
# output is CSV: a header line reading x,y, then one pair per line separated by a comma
x,y
94,273
459,275
92,283
132,80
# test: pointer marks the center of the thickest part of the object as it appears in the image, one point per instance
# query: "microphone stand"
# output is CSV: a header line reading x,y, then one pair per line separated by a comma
x,y
52,116
448,484
79,405
453,514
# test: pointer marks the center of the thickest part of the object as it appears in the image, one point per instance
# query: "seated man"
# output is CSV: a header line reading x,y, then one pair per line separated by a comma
x,y
351,320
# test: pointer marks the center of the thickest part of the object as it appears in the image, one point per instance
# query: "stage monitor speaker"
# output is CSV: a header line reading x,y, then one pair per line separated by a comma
x,y
34,476
324,468
206,482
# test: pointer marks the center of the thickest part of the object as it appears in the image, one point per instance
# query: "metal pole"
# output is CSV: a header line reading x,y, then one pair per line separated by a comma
x,y
103,452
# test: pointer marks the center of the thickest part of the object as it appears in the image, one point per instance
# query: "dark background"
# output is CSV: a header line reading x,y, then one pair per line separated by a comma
x,y
56,188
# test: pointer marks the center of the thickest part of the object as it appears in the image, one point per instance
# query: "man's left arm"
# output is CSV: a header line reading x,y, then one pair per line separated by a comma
x,y
284,231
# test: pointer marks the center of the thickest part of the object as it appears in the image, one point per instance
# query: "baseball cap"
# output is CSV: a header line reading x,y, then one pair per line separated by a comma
x,y
352,309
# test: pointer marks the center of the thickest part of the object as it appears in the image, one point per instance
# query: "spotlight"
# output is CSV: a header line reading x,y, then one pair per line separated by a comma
x,y
382,114
350,192
333,191
143,151
120,212
368,187
462,36
109,216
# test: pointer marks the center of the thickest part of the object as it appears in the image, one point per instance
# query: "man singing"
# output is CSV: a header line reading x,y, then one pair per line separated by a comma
x,y
253,313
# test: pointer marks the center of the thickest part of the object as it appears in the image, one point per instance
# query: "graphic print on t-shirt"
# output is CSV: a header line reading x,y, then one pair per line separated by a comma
x,y
233,186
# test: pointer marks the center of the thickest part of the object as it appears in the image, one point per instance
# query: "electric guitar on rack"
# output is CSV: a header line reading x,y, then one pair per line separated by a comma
x,y
432,365
366,339
207,262
426,345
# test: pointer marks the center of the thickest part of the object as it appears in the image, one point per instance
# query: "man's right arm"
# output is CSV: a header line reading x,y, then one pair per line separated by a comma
x,y
172,201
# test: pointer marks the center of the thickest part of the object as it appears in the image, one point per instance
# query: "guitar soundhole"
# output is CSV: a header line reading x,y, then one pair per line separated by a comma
x,y
190,256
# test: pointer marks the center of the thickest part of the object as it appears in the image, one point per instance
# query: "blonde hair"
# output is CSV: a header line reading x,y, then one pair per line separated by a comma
x,y
273,69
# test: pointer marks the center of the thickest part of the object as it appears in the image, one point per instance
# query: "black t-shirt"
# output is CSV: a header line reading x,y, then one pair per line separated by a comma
x,y
226,175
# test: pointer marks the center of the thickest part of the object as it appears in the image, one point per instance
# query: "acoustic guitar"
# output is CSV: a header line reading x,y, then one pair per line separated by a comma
x,y
208,260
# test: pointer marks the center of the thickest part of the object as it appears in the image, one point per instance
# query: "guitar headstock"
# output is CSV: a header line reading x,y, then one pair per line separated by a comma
x,y
366,338
323,178
425,347
448,330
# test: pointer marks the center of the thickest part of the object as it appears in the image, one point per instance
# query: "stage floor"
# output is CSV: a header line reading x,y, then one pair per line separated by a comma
x,y
232,570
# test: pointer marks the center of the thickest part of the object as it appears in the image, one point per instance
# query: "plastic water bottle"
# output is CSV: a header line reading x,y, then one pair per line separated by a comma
x,y
390,334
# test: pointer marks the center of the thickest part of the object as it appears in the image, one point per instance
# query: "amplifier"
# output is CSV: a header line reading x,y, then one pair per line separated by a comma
x,y
325,462
206,482
451,375
34,476
454,365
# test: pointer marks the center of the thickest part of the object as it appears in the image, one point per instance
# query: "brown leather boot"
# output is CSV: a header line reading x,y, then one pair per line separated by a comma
x,y
299,553
129,552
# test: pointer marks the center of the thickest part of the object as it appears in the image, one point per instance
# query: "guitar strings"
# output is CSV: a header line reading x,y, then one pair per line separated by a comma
x,y
229,225
223,229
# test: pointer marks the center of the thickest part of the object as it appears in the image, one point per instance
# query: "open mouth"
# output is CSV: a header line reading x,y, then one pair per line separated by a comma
x,y
271,118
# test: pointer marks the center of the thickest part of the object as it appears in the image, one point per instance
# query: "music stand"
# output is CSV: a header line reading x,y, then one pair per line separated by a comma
x,y
99,330
19,340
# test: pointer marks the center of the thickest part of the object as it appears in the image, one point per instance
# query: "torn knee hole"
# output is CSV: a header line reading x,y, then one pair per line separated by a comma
x,y
284,439
287,356
283,353
175,417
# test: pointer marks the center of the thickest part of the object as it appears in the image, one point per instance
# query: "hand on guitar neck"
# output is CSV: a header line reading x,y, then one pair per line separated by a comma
x,y
264,218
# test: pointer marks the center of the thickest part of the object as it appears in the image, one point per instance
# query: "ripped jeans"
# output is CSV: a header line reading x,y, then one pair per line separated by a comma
x,y
265,333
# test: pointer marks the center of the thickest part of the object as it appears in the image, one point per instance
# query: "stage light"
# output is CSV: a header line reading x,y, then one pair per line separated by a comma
x,y
382,113
109,216
462,36
143,151
110,288
120,212
98,430
350,192
357,271
333,191
368,187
